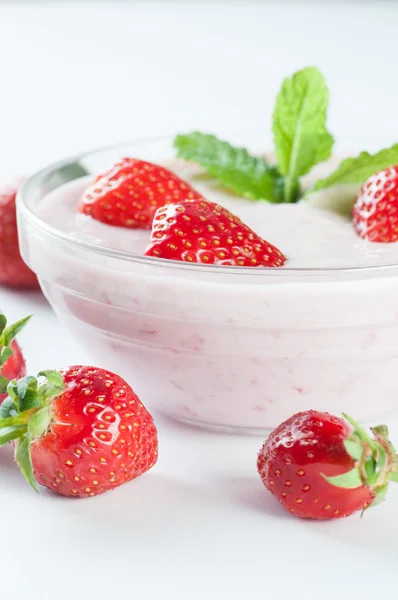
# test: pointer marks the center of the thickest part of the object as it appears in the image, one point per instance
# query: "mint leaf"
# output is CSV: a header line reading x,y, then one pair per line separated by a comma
x,y
299,126
359,169
249,176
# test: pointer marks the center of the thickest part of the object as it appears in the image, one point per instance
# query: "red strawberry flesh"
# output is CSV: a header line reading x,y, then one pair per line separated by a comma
x,y
13,271
375,213
204,232
129,194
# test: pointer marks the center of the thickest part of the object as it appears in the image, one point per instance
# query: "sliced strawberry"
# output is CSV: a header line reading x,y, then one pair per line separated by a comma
x,y
129,194
375,213
203,232
13,271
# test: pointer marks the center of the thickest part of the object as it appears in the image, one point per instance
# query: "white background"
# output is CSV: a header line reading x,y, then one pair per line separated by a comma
x,y
75,75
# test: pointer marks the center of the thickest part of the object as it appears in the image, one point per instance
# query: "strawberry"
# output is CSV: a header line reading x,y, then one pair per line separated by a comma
x,y
129,194
375,213
79,432
320,467
13,271
12,362
199,231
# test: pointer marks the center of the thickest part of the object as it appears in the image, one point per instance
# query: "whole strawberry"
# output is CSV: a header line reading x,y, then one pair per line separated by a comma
x,y
80,432
129,194
375,213
199,231
320,467
12,361
13,271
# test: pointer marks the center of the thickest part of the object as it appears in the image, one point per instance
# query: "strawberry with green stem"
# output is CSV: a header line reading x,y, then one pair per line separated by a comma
x,y
80,431
323,467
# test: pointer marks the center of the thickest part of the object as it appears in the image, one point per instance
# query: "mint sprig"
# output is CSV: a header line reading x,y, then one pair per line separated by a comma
x,y
249,176
299,127
301,142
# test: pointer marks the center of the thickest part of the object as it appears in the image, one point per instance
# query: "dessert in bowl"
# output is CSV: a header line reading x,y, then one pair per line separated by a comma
x,y
222,345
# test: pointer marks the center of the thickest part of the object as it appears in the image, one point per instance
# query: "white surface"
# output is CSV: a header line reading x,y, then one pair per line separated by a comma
x,y
77,75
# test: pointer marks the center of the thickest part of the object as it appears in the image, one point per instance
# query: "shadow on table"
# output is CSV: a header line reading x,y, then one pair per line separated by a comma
x,y
248,492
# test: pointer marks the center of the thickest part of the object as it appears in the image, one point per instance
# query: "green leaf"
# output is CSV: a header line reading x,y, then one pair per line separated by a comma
x,y
9,334
353,448
24,461
12,392
5,353
299,126
11,433
380,495
25,393
350,480
53,377
393,476
3,322
249,176
39,423
17,419
372,473
358,170
3,384
359,432
381,456
53,385
381,431
8,408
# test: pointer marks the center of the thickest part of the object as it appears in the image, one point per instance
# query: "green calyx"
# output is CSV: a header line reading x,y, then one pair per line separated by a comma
x,y
7,334
376,463
25,415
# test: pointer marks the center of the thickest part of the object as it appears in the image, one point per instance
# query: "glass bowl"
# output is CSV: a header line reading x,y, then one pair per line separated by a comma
x,y
219,347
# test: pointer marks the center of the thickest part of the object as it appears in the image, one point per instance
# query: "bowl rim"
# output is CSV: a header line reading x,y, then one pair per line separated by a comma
x,y
25,211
